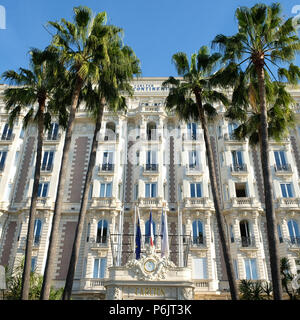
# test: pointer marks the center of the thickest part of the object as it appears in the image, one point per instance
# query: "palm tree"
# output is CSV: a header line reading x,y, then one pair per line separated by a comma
x,y
198,81
34,86
83,47
264,37
114,80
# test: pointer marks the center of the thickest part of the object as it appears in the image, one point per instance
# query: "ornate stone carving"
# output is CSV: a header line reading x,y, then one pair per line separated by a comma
x,y
150,266
185,294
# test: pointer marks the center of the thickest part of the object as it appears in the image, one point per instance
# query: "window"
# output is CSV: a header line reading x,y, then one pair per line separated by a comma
x,y
110,131
279,233
37,231
199,268
107,163
6,133
198,235
90,192
33,263
88,232
22,132
294,231
151,160
192,131
245,233
147,231
43,189
53,131
195,189
150,190
280,160
105,190
286,190
194,159
237,160
231,233
47,161
99,268
136,191
231,128
102,231
236,272
241,190
3,155
151,131
250,268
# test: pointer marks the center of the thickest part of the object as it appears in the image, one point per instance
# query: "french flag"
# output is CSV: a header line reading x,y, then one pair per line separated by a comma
x,y
151,233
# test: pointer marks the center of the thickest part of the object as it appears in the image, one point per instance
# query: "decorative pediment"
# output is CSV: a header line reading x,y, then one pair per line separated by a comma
x,y
150,266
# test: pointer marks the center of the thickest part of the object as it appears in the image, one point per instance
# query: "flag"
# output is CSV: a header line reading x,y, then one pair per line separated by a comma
x,y
164,235
138,239
151,233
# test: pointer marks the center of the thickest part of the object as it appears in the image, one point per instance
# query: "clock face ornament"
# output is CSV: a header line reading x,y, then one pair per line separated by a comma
x,y
149,266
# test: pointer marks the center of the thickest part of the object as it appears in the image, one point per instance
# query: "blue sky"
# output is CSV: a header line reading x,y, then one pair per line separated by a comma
x,y
155,29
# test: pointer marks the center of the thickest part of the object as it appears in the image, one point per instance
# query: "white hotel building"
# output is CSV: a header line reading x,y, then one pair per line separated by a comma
x,y
149,160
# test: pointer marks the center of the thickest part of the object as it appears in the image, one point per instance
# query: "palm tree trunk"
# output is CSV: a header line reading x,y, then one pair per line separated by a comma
x,y
217,205
49,268
30,231
84,202
270,212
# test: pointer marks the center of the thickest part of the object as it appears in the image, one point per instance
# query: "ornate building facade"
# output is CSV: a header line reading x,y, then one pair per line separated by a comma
x,y
148,160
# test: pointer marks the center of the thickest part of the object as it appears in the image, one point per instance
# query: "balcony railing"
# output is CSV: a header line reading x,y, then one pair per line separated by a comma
x,y
246,242
198,241
92,284
238,167
53,137
152,167
47,168
8,137
106,167
232,137
99,242
293,242
197,202
283,168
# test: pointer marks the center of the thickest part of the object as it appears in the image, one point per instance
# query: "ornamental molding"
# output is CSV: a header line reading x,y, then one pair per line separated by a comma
x,y
158,266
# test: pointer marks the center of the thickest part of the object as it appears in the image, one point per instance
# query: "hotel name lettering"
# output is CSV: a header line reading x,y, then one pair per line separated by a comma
x,y
149,87
150,292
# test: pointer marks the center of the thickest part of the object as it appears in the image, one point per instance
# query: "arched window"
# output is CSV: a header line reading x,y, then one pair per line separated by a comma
x,y
102,231
37,231
110,131
198,234
245,233
147,231
151,131
294,231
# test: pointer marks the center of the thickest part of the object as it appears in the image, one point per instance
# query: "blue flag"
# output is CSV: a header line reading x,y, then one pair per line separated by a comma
x,y
138,240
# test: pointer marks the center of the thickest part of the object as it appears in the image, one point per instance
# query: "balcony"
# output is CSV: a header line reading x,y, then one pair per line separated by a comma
x,y
198,242
241,202
193,169
109,137
232,139
5,139
293,243
283,169
288,203
52,138
99,242
197,202
246,242
150,168
92,284
238,169
150,202
106,168
47,168
98,202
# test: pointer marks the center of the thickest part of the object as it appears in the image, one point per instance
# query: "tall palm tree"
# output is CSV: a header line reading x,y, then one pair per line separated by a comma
x,y
264,38
114,82
198,81
83,46
34,93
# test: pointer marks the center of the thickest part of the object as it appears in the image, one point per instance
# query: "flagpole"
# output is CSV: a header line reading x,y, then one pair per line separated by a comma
x,y
134,231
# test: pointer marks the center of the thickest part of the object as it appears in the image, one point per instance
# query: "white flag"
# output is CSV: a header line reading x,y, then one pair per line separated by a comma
x,y
164,234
